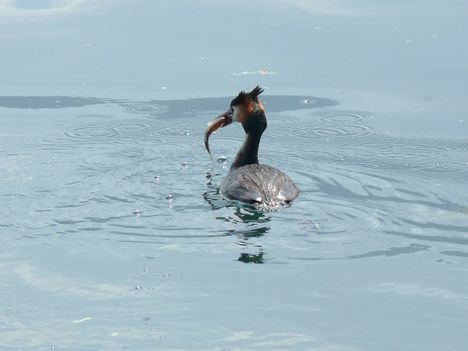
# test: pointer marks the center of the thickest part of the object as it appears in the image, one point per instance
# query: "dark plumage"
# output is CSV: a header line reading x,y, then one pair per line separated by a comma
x,y
259,184
247,180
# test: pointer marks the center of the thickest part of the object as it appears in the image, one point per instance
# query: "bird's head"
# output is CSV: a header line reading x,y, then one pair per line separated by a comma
x,y
245,108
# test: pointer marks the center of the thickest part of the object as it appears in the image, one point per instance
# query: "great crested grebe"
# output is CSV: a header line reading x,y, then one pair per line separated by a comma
x,y
247,180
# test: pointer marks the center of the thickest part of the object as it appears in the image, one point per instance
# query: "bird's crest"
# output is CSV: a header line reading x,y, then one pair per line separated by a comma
x,y
255,93
244,97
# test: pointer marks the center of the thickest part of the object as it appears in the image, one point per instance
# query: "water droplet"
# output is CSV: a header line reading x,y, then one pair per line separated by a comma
x,y
185,164
187,133
163,88
162,337
138,288
306,101
146,270
165,275
137,212
169,197
157,179
52,347
222,159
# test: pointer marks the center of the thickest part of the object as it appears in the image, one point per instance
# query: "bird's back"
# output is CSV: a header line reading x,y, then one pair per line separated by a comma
x,y
259,184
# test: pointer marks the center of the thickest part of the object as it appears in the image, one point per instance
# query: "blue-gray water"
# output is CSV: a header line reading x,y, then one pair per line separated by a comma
x,y
113,235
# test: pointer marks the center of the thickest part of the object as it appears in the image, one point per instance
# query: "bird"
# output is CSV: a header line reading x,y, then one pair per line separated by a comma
x,y
248,181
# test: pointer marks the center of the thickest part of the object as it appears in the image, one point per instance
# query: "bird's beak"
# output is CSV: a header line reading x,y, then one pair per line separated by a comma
x,y
220,121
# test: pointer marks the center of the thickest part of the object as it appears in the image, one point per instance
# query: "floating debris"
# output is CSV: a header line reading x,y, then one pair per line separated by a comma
x,y
85,319
262,72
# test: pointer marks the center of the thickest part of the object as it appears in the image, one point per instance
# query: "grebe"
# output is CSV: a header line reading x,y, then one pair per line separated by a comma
x,y
247,180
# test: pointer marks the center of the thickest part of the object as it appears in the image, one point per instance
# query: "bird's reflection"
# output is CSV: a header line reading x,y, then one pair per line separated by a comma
x,y
252,222
251,258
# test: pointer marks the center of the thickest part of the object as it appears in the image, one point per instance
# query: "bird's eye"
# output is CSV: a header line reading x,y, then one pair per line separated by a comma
x,y
231,109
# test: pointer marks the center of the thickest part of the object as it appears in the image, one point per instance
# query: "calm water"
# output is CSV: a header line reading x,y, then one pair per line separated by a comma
x,y
113,232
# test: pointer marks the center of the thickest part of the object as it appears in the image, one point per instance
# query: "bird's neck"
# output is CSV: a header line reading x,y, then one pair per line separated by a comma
x,y
248,153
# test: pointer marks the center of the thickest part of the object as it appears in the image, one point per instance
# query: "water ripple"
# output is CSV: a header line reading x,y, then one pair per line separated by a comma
x,y
444,167
428,237
343,116
91,132
331,131
132,127
144,108
173,130
325,124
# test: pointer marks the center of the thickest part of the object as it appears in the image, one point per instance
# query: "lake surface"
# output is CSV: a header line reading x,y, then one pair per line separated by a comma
x,y
113,233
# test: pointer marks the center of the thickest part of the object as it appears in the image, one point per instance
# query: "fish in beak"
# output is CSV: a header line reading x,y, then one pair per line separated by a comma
x,y
220,121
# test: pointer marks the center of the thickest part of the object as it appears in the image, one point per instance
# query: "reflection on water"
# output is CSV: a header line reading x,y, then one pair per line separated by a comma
x,y
172,108
40,102
254,219
251,258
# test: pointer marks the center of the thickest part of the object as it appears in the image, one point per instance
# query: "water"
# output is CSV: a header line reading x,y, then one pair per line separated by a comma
x,y
114,234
